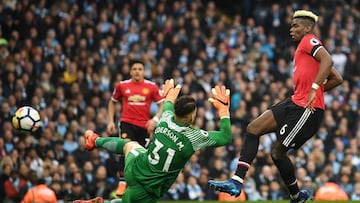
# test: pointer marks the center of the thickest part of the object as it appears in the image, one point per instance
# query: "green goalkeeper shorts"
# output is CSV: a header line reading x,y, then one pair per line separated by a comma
x,y
135,193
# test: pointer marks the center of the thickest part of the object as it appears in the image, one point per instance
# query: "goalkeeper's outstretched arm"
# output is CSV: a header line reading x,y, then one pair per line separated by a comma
x,y
221,101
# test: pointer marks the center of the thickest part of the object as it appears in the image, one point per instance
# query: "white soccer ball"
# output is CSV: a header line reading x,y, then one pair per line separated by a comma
x,y
26,120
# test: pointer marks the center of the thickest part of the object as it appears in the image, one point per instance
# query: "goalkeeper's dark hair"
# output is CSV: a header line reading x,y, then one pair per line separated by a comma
x,y
184,105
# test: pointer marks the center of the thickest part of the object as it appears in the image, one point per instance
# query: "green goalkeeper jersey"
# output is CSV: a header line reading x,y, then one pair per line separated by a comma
x,y
170,149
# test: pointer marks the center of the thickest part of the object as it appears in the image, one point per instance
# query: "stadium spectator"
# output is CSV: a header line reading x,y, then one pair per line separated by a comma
x,y
276,192
77,191
355,195
194,190
40,192
181,187
13,187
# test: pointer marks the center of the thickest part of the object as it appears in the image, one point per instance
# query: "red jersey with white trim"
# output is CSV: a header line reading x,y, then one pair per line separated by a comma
x,y
306,68
136,98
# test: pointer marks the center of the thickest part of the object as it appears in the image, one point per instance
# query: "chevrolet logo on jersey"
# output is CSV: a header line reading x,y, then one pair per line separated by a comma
x,y
136,98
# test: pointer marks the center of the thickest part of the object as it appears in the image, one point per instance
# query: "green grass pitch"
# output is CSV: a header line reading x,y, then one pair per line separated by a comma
x,y
268,201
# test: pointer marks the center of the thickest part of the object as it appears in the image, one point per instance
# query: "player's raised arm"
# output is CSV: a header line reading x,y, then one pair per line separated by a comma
x,y
221,101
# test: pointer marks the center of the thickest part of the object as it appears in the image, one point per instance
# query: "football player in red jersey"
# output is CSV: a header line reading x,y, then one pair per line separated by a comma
x,y
296,119
136,96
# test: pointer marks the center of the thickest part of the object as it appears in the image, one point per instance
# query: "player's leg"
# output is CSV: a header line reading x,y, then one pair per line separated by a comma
x,y
131,133
98,200
134,192
294,120
300,125
134,133
265,123
287,172
112,144
286,169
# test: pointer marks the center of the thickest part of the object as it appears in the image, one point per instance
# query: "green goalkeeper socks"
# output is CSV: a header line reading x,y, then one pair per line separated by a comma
x,y
112,144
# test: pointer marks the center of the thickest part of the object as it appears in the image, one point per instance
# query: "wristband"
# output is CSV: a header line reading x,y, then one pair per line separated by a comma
x,y
315,86
156,119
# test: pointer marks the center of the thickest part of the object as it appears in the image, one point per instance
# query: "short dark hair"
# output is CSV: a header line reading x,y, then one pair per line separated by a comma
x,y
133,61
184,105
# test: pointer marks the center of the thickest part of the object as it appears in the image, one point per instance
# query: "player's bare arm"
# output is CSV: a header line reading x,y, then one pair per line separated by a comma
x,y
333,80
151,124
326,64
111,127
325,67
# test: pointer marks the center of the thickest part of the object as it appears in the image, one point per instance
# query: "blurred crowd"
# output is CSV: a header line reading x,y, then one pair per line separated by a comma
x,y
63,57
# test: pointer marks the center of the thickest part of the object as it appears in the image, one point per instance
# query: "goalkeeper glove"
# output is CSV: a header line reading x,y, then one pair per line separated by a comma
x,y
170,93
167,86
221,100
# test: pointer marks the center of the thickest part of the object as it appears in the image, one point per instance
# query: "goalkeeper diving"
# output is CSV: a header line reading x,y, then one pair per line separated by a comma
x,y
149,173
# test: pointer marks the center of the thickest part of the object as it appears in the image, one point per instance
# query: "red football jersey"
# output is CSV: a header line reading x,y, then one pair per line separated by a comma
x,y
306,68
136,99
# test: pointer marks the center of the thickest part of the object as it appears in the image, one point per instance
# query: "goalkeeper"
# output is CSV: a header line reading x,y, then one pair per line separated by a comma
x,y
150,173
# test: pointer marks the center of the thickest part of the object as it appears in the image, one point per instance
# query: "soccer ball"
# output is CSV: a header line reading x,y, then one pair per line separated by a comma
x,y
26,120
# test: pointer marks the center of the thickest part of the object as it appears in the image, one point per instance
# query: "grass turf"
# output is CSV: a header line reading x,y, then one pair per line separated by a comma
x,y
268,201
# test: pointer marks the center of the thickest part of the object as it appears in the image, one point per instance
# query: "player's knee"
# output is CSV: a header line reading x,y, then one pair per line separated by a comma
x,y
130,145
252,129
